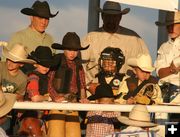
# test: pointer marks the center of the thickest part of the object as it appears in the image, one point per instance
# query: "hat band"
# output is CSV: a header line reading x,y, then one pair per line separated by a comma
x,y
139,120
111,10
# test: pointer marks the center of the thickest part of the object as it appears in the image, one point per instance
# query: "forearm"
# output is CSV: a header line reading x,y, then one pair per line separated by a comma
x,y
40,98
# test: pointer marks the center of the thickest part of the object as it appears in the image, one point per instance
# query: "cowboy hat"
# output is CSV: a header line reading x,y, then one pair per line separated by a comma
x,y
111,7
43,56
143,61
102,91
7,101
18,53
39,9
139,117
171,18
71,41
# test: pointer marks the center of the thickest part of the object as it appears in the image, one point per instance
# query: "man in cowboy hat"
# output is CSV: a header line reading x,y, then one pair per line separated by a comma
x,y
140,87
67,84
12,79
7,101
168,62
138,123
111,34
35,35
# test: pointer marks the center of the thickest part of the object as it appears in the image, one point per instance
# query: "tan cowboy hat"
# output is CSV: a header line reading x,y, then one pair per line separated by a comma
x,y
171,18
71,41
39,9
111,7
143,61
139,117
18,53
7,101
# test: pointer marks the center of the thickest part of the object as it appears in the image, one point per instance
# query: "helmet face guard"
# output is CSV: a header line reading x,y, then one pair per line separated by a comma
x,y
111,60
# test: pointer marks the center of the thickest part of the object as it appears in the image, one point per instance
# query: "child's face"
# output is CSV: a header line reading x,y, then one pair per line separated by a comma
x,y
109,65
142,75
13,66
70,54
41,69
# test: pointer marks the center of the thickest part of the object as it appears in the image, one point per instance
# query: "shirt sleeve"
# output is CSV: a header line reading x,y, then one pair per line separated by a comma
x,y
33,86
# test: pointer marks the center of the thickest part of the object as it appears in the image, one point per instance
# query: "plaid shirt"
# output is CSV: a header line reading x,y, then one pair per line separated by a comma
x,y
73,83
100,123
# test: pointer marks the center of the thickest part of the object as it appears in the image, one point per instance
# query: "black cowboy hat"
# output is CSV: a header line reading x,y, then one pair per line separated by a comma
x,y
43,56
71,41
39,9
102,91
111,7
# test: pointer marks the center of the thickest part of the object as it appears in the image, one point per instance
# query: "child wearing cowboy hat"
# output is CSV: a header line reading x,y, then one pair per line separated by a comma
x,y
101,123
12,79
67,84
37,87
140,87
138,124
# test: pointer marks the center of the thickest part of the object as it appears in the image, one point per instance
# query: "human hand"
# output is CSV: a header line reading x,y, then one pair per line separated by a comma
x,y
92,87
131,100
84,100
59,98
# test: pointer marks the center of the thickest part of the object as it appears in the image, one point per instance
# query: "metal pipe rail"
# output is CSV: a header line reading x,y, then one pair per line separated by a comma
x,y
92,107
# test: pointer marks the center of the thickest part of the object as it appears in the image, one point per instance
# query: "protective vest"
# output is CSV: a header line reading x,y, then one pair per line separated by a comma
x,y
114,83
132,82
63,76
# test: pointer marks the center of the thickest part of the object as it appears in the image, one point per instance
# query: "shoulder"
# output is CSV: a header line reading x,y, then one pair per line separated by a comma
x,y
127,31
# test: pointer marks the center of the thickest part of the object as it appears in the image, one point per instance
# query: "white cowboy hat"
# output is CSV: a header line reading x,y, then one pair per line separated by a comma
x,y
111,7
139,117
143,61
18,53
171,18
7,101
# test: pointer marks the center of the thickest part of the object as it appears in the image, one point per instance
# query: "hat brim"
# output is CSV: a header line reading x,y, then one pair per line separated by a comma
x,y
158,23
123,12
127,121
9,103
14,58
133,63
61,47
31,12
46,63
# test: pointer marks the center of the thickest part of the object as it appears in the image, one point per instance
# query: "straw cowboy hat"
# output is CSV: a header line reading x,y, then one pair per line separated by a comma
x,y
43,56
102,91
7,101
111,7
39,9
18,53
171,18
71,41
138,117
143,61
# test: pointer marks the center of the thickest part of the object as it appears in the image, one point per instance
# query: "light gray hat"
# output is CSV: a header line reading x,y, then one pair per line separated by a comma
x,y
18,53
139,117
111,7
171,18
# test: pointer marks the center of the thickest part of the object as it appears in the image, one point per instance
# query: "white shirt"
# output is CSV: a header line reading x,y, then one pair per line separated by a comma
x,y
166,53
